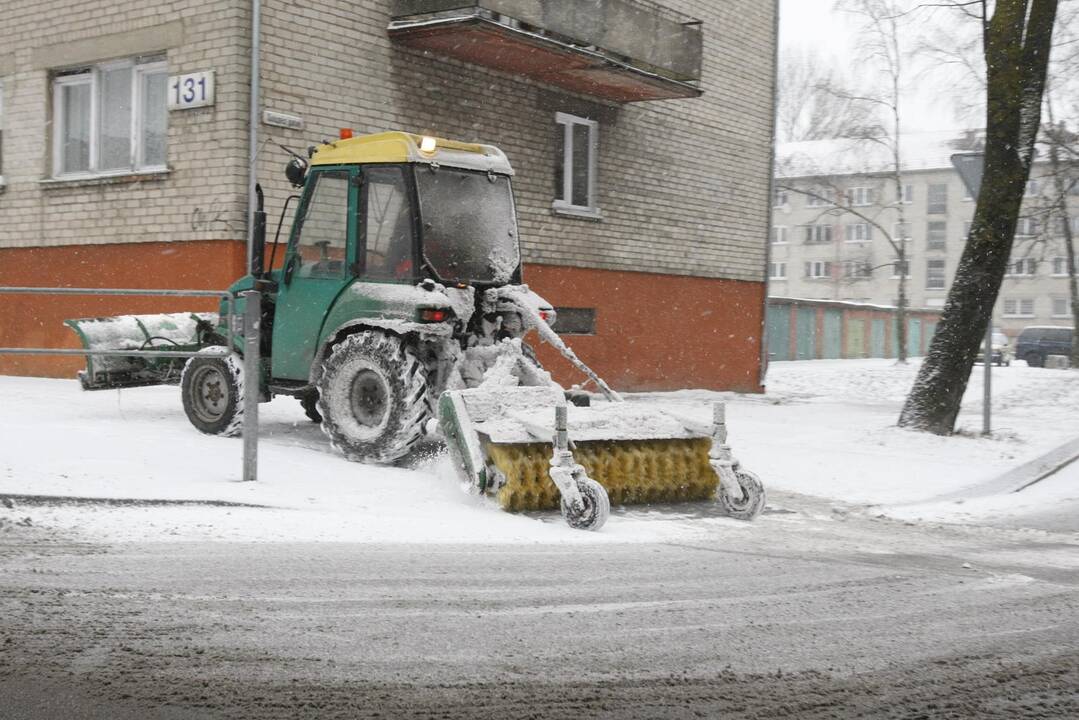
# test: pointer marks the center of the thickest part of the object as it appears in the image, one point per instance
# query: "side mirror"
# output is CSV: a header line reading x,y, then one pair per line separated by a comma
x,y
296,171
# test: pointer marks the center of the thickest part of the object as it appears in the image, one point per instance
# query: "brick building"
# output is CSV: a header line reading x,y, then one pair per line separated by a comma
x,y
112,177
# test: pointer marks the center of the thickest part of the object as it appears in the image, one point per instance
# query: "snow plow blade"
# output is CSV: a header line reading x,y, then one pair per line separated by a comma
x,y
504,441
137,333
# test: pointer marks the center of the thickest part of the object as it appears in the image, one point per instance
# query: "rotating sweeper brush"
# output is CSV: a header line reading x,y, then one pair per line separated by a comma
x,y
526,447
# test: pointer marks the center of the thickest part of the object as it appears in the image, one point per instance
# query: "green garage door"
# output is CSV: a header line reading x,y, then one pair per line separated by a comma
x,y
833,335
807,333
914,337
876,341
779,332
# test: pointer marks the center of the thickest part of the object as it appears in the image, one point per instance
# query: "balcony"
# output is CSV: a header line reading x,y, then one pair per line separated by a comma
x,y
619,50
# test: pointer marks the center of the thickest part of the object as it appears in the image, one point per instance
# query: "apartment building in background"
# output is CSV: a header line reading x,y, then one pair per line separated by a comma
x,y
836,205
641,134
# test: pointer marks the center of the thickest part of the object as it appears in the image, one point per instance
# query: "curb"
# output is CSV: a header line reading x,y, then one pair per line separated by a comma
x,y
31,500
1019,478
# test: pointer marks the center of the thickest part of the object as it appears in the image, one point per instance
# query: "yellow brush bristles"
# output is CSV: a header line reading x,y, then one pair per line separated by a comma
x,y
633,472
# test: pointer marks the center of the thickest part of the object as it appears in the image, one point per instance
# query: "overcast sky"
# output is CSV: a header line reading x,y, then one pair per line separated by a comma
x,y
813,24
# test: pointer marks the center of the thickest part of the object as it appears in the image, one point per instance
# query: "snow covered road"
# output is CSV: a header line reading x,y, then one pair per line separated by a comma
x,y
815,615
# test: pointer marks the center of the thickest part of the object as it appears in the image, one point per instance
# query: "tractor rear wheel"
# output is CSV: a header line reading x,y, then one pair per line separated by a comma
x,y
212,389
372,397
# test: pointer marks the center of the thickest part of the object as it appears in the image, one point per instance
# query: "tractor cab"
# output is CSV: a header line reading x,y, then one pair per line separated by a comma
x,y
396,207
378,215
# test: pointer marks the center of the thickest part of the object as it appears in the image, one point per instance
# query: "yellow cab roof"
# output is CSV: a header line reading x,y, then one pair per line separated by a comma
x,y
402,147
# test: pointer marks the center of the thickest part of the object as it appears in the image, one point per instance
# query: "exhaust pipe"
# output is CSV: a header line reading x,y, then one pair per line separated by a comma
x,y
258,249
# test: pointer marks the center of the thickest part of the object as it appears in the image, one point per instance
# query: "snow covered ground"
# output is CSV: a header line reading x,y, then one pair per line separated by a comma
x,y
824,428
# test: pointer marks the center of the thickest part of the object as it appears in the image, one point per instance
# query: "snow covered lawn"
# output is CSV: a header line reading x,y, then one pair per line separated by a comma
x,y
824,428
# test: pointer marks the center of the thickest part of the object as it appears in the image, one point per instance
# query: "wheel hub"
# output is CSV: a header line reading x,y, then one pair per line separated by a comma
x,y
210,399
369,398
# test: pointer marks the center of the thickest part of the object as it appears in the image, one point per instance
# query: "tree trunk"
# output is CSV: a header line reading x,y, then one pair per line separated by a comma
x,y
1017,44
1062,189
901,307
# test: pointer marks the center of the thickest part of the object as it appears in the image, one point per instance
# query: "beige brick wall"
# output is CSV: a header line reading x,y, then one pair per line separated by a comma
x,y
200,198
683,185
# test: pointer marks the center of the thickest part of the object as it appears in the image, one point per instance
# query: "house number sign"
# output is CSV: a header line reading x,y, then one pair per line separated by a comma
x,y
191,90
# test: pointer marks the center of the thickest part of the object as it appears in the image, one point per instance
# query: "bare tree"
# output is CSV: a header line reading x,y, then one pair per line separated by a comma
x,y
951,45
882,211
1017,40
880,50
1064,173
813,100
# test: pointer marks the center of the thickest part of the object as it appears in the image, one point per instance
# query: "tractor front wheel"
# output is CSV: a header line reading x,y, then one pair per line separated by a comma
x,y
372,397
212,389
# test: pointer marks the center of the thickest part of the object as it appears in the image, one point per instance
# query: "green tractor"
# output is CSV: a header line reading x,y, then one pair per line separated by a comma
x,y
398,303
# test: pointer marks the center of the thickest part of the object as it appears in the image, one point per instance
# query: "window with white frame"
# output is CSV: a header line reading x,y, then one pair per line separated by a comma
x,y
857,269
1032,188
779,234
858,232
777,270
936,235
938,199
1027,227
860,196
819,197
1061,307
817,269
1060,266
900,268
576,161
816,234
1024,267
1018,307
934,275
905,194
110,118
901,231
1,134
780,199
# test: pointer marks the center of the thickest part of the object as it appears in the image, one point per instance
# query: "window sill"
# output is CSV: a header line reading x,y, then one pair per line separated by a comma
x,y
115,179
593,214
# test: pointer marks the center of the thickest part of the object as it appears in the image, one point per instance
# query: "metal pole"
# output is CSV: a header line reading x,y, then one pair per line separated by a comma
x,y
253,127
987,355
252,381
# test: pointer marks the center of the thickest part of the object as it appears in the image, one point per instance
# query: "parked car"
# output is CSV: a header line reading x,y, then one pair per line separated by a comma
x,y
1002,351
1038,341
